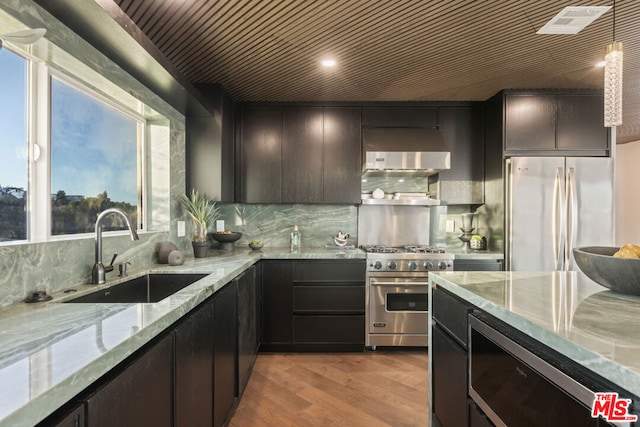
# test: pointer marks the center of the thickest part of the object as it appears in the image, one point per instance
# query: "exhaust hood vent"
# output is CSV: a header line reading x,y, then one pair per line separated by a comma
x,y
404,151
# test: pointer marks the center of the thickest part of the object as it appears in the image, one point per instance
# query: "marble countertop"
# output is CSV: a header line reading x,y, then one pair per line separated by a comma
x,y
597,328
49,352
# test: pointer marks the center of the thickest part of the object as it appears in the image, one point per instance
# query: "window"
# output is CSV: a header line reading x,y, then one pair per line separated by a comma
x,y
13,146
68,151
94,161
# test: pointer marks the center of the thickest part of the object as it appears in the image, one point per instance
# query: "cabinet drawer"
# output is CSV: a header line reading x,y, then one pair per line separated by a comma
x,y
451,314
478,265
328,329
328,298
337,271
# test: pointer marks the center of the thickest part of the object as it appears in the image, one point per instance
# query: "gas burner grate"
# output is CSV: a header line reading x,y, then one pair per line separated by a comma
x,y
379,249
419,249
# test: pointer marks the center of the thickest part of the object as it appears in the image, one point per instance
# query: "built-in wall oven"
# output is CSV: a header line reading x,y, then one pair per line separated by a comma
x,y
397,293
514,386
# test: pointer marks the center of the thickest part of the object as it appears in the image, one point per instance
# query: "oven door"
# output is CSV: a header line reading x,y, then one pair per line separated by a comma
x,y
398,305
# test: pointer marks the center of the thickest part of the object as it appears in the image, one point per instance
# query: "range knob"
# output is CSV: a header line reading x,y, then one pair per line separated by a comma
x,y
442,265
412,265
377,265
392,265
428,265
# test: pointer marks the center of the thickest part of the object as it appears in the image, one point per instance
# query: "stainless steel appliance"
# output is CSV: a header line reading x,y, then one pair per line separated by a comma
x,y
397,293
515,386
554,204
396,151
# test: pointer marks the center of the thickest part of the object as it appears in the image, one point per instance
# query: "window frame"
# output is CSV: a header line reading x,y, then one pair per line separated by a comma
x,y
38,146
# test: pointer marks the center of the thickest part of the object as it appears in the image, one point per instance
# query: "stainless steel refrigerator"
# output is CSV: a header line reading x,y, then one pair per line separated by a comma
x,y
554,204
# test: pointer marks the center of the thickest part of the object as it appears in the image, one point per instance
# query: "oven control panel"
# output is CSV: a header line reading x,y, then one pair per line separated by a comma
x,y
410,265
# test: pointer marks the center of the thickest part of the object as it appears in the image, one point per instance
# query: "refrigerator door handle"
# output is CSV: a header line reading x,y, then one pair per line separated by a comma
x,y
572,216
556,226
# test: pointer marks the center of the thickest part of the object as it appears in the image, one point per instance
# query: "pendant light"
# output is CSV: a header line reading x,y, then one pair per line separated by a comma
x,y
613,80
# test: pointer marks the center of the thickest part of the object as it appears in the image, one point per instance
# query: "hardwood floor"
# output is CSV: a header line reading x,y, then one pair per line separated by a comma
x,y
373,389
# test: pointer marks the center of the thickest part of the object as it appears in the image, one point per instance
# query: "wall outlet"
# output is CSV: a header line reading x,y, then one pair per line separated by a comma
x,y
181,229
219,225
451,226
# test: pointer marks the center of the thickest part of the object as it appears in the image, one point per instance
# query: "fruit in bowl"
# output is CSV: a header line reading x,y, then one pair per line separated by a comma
x,y
256,244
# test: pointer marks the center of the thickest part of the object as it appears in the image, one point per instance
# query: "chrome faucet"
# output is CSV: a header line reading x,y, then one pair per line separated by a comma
x,y
99,270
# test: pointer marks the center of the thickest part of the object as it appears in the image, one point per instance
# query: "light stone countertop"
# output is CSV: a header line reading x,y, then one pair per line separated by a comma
x,y
49,352
566,311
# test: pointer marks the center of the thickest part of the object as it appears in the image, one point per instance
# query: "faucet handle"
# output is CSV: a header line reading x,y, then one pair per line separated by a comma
x,y
109,268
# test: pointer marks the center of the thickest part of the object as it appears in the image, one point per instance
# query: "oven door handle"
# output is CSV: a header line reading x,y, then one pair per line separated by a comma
x,y
374,282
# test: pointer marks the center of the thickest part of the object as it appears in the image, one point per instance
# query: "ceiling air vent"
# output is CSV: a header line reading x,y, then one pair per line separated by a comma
x,y
572,19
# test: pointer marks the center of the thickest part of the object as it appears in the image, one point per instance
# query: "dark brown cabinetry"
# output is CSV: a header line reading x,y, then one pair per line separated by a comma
x,y
260,133
462,129
224,353
313,305
209,146
194,367
554,121
299,154
74,416
449,359
399,116
141,394
248,340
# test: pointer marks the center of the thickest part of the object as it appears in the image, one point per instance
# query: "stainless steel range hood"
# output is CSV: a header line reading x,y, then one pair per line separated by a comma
x,y
404,151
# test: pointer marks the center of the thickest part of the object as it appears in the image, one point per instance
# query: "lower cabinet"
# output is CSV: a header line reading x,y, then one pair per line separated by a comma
x,y
141,394
194,367
449,379
185,377
477,418
247,320
224,353
313,305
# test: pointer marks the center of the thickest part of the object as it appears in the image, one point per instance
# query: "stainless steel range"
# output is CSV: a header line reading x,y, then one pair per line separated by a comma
x,y
397,293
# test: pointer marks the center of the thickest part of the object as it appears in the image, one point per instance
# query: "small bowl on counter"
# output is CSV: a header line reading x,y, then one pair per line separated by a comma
x,y
226,239
256,246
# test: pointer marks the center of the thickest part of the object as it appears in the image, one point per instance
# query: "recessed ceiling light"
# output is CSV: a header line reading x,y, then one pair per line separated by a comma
x,y
328,62
601,64
572,19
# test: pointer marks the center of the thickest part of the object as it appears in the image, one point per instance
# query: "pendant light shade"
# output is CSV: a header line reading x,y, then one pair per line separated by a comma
x,y
613,80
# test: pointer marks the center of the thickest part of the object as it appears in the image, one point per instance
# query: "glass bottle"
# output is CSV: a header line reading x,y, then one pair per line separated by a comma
x,y
295,239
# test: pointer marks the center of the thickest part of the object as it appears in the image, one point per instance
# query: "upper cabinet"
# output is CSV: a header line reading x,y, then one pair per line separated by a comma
x,y
399,116
554,122
462,129
299,154
209,147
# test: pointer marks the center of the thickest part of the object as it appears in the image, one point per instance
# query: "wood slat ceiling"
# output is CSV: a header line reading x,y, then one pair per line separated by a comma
x,y
387,50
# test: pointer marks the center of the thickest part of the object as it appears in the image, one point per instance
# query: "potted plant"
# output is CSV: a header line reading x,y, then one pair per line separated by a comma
x,y
203,212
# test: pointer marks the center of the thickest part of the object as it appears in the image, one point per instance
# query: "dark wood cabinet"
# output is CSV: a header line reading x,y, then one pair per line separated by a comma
x,y
73,416
260,133
224,353
342,155
277,303
299,154
399,116
302,155
194,367
247,309
477,418
449,379
313,305
554,121
449,359
141,394
462,129
210,162
478,265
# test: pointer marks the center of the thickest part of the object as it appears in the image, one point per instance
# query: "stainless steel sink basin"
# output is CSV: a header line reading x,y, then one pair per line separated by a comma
x,y
148,288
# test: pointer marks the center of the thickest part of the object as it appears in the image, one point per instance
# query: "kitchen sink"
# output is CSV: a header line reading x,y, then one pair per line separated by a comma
x,y
148,288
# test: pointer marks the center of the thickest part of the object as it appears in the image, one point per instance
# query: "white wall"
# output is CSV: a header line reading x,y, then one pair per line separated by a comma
x,y
628,193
